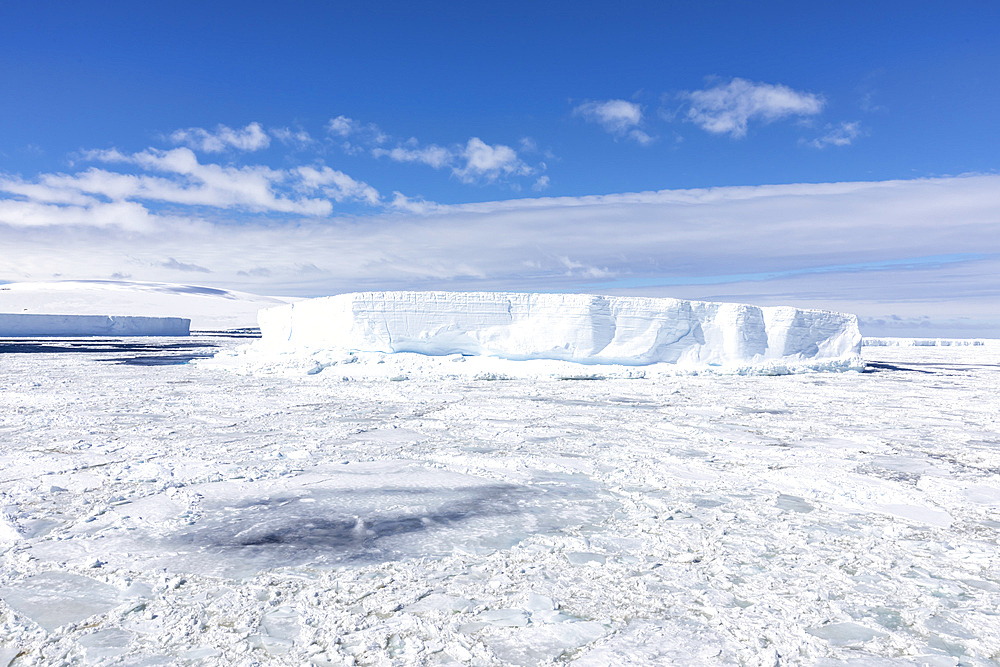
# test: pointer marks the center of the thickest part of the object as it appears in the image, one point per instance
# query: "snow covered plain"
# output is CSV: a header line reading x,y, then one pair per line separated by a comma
x,y
162,512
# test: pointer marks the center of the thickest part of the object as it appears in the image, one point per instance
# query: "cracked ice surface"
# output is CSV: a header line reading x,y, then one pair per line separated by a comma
x,y
183,513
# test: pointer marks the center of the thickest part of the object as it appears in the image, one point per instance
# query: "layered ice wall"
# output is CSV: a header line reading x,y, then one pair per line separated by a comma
x,y
582,328
27,324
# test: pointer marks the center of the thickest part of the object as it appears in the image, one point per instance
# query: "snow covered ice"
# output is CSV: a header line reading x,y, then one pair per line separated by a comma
x,y
183,513
30,324
580,328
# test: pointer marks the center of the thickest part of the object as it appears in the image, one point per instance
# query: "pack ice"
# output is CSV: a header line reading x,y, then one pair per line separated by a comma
x,y
581,328
31,324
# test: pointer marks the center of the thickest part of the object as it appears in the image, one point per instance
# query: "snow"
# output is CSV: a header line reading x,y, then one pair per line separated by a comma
x,y
20,325
208,308
331,506
183,513
576,328
920,342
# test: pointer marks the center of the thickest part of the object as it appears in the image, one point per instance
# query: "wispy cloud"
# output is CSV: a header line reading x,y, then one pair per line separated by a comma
x,y
474,162
337,185
298,138
174,265
729,108
734,243
618,117
250,138
432,155
837,135
164,188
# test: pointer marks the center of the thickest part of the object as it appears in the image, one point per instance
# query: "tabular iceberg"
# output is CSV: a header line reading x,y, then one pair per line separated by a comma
x,y
581,328
30,324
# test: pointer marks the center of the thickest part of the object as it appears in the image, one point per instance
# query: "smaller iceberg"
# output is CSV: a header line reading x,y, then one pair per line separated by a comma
x,y
31,324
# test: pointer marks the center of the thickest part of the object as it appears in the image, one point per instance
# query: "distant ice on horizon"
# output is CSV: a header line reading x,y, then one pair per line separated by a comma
x,y
208,308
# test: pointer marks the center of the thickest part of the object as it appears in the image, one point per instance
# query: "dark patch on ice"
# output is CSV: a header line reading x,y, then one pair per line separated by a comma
x,y
163,360
879,366
328,528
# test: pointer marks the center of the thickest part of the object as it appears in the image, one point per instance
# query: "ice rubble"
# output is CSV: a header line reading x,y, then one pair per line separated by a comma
x,y
579,328
31,324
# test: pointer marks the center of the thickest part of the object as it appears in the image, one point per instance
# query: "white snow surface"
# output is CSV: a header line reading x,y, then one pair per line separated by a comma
x,y
208,308
185,514
578,328
26,324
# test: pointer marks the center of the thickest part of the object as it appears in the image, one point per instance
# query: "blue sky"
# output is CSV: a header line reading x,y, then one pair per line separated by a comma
x,y
701,150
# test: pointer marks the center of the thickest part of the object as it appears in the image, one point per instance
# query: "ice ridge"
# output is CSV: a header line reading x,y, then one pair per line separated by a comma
x,y
581,328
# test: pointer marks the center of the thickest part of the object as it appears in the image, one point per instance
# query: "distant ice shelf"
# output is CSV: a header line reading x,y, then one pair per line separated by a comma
x,y
921,342
31,324
580,328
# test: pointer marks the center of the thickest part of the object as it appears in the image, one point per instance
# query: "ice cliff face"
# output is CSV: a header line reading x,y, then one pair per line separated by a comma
x,y
582,328
28,324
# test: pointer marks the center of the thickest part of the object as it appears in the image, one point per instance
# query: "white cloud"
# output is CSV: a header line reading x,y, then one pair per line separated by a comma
x,y
618,117
541,183
475,162
252,187
433,155
101,197
337,185
250,138
728,108
366,133
297,138
342,126
487,162
871,248
840,135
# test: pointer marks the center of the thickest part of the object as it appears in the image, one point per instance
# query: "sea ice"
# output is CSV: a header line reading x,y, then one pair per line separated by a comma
x,y
53,599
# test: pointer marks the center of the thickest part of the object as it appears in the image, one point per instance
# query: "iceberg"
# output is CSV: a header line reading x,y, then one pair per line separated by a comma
x,y
31,324
580,328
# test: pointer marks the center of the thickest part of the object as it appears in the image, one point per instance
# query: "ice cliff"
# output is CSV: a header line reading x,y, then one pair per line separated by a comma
x,y
582,328
30,324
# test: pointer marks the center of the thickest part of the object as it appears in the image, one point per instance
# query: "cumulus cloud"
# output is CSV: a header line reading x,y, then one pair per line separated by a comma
x,y
250,138
843,134
342,126
729,108
618,117
481,161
